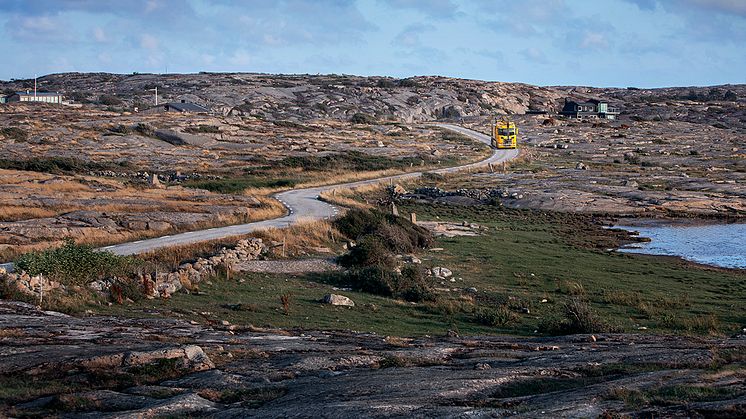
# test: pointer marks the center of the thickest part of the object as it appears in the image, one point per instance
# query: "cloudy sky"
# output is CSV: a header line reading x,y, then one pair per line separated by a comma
x,y
644,43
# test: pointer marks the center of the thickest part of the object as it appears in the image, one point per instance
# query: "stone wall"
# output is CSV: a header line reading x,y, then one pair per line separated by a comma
x,y
155,284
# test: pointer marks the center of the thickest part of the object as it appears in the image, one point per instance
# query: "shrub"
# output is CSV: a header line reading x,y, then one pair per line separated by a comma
x,y
14,133
412,285
203,129
496,317
59,165
576,316
386,83
363,118
370,251
397,233
109,100
372,261
350,161
73,264
408,285
410,82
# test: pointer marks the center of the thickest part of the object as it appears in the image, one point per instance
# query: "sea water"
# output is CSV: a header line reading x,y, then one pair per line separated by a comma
x,y
717,244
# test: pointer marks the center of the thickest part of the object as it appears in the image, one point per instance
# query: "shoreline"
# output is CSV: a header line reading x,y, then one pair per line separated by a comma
x,y
636,228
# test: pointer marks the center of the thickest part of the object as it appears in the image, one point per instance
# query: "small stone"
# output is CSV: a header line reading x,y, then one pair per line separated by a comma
x,y
482,366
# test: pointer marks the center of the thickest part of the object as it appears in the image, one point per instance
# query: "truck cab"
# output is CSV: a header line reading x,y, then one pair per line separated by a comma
x,y
504,135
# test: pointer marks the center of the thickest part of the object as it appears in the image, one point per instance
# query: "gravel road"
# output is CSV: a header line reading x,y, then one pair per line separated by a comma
x,y
302,204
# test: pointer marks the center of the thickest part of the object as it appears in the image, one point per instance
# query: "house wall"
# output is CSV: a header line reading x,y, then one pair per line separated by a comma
x,y
38,98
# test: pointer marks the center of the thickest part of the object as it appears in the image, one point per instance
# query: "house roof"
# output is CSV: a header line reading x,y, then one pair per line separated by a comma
x,y
187,107
39,94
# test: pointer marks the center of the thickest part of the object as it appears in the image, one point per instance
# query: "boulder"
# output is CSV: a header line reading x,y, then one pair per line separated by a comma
x,y
337,300
442,272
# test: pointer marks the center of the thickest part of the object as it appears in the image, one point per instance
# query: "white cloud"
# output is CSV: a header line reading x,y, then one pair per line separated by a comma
x,y
99,34
534,55
149,42
240,58
594,40
39,29
410,36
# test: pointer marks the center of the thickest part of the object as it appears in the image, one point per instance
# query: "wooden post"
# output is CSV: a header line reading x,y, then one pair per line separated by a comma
x,y
394,210
41,289
284,238
504,170
413,218
492,168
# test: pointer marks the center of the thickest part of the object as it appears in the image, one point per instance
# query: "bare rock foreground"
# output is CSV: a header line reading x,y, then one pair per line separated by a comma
x,y
232,372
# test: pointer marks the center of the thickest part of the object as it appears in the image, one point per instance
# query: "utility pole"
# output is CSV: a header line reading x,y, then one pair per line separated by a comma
x,y
35,88
156,95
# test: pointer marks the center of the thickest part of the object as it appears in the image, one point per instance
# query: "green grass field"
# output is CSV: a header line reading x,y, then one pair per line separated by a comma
x,y
523,259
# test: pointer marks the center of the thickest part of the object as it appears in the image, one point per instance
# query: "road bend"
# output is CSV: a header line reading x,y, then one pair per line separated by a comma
x,y
301,204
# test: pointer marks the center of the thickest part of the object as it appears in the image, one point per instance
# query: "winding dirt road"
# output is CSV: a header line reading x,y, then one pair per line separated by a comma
x,y
301,204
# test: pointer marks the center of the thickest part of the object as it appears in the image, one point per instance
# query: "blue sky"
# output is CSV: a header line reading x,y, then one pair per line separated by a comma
x,y
646,43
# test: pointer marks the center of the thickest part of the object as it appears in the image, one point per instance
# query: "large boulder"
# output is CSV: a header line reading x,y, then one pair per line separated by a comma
x,y
337,300
440,272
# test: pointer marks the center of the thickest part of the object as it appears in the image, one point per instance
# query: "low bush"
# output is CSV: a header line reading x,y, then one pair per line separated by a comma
x,y
575,316
397,233
496,317
351,160
238,185
363,118
14,133
370,251
73,264
109,100
409,285
59,165
372,263
203,129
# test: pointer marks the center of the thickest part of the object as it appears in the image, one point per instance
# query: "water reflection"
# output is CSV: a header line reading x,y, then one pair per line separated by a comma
x,y
712,244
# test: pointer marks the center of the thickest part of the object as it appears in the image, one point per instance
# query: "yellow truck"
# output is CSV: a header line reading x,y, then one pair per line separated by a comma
x,y
504,134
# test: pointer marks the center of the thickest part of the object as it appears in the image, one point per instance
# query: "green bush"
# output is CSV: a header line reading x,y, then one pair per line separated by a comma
x,y
370,251
203,129
14,133
109,100
363,118
238,185
73,264
351,160
372,262
496,317
409,285
575,316
59,165
397,233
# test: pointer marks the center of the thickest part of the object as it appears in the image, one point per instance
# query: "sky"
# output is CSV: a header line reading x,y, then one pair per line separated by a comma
x,y
642,43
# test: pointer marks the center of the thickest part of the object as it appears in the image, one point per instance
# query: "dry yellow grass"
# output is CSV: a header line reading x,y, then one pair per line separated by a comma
x,y
303,236
351,197
15,213
300,238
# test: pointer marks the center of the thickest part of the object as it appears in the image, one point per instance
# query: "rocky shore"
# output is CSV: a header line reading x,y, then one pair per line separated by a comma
x,y
121,368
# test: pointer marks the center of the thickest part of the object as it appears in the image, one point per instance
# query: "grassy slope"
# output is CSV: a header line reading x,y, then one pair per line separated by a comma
x,y
660,294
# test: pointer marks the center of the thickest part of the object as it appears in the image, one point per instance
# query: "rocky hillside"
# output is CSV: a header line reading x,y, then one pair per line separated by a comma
x,y
304,96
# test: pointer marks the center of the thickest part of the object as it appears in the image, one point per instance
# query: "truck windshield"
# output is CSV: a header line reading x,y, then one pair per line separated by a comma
x,y
503,131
